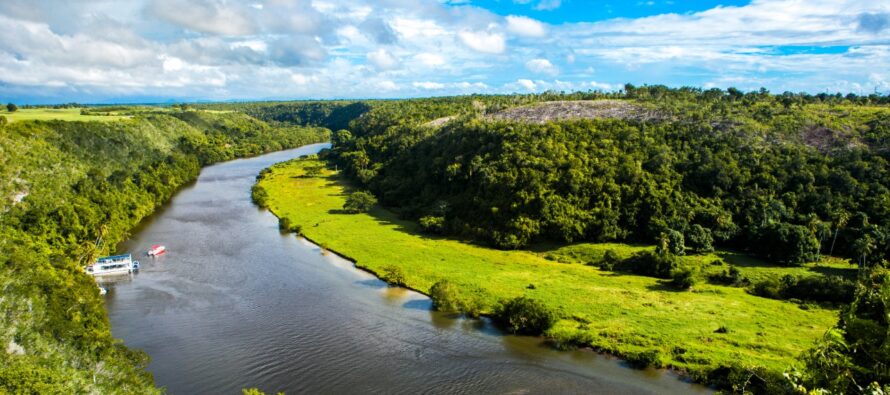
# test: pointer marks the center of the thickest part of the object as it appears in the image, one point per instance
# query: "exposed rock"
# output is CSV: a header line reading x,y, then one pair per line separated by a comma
x,y
581,109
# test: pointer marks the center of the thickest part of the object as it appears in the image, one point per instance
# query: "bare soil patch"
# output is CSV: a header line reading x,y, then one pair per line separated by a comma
x,y
581,109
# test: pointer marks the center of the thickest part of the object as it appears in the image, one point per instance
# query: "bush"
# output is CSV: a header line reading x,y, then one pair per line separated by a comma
x,y
259,196
647,263
731,276
832,289
526,316
447,297
359,202
787,243
699,239
432,224
3,120
12,107
610,259
683,277
644,359
394,275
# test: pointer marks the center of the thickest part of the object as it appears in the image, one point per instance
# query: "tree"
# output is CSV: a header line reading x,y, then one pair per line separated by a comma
x,y
852,357
526,316
699,239
314,170
11,107
671,242
683,277
359,202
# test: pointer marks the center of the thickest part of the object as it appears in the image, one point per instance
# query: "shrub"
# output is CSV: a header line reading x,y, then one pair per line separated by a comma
x,y
699,239
526,316
446,297
730,276
832,289
787,243
359,202
610,259
644,359
647,263
11,107
683,277
3,120
768,288
394,275
259,196
432,224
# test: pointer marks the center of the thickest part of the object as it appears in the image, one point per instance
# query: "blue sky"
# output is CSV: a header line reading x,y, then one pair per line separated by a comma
x,y
101,51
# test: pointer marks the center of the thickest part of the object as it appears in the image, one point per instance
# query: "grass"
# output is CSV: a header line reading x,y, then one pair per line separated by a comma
x,y
50,114
696,330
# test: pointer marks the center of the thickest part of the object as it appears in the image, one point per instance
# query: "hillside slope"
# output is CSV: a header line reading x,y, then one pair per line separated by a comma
x,y
62,186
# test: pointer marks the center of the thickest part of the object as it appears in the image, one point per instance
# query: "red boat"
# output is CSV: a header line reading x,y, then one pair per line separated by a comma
x,y
157,250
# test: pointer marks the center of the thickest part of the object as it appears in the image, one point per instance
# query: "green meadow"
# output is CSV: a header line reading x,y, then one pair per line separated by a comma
x,y
695,331
51,114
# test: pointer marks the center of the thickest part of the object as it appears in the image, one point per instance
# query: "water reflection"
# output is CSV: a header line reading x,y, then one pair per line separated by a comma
x,y
235,304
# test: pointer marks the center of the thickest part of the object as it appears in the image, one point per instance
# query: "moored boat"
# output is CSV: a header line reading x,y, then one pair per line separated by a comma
x,y
157,250
112,265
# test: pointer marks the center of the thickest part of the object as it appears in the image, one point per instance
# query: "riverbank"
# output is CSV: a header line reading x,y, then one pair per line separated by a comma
x,y
632,316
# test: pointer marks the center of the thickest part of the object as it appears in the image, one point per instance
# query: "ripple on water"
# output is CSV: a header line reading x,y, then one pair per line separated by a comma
x,y
236,304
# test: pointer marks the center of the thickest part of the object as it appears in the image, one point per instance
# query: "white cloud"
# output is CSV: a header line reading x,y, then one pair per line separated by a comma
x,y
205,16
527,84
525,26
541,66
382,59
430,59
429,85
224,49
486,42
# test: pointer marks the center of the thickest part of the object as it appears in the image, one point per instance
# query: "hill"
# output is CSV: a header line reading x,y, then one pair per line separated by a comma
x,y
63,185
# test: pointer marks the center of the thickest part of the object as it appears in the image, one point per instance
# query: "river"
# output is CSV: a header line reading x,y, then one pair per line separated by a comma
x,y
235,304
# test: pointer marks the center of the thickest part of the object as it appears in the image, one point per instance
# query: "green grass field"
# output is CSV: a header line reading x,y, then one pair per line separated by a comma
x,y
49,114
617,313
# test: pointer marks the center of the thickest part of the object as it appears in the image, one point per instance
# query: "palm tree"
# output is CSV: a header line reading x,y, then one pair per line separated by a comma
x,y
840,222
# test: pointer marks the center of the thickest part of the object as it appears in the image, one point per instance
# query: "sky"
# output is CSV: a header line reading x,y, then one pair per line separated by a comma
x,y
103,51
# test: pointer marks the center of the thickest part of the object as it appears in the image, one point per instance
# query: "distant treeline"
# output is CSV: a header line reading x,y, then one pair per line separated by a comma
x,y
333,115
63,186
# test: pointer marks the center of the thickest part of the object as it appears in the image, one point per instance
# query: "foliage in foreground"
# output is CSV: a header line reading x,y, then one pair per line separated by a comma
x,y
63,185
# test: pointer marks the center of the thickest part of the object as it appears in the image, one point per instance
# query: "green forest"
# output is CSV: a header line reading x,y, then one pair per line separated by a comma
x,y
789,178
65,184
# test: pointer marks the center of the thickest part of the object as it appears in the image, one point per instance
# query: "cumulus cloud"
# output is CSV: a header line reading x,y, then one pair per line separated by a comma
x,y
222,49
205,16
541,66
486,42
382,59
429,85
525,26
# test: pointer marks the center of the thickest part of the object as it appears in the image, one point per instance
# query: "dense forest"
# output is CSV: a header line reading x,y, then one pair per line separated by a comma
x,y
63,185
788,177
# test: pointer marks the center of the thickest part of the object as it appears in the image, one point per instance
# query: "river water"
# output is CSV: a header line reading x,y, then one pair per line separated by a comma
x,y
236,304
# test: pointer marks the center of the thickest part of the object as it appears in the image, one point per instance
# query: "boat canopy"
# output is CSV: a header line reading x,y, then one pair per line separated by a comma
x,y
113,258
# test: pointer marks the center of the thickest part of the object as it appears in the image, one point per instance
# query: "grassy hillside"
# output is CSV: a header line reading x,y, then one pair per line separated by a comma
x,y
63,184
55,114
699,331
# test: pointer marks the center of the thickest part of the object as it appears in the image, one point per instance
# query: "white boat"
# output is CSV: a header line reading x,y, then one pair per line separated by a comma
x,y
111,265
157,250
